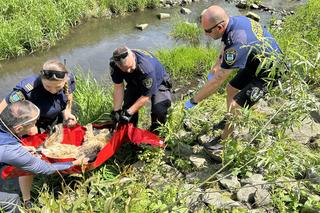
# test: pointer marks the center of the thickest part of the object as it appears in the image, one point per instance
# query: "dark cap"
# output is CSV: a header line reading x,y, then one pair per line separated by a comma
x,y
120,54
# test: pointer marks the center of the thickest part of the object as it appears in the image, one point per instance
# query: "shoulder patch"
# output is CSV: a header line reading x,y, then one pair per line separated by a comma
x,y
16,96
230,56
28,87
147,82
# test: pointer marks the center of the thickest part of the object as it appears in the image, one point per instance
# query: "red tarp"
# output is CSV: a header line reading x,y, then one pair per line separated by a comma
x,y
74,136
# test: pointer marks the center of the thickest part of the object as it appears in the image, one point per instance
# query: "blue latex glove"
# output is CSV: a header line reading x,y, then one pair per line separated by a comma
x,y
188,105
210,76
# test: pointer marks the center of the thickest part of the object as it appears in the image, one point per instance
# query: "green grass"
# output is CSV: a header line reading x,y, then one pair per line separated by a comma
x,y
183,63
30,25
91,98
187,32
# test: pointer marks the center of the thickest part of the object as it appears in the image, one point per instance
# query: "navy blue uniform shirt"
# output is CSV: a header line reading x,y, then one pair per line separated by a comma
x,y
146,78
31,89
242,36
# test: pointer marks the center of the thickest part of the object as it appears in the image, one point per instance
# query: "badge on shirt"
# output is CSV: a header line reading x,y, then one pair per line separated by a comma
x,y
230,56
16,96
147,82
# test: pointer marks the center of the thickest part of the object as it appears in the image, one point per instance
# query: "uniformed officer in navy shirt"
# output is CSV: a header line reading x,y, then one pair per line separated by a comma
x,y
245,44
51,92
146,79
16,120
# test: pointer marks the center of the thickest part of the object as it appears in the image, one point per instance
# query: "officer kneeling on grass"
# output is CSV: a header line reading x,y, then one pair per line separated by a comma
x,y
245,44
146,80
16,120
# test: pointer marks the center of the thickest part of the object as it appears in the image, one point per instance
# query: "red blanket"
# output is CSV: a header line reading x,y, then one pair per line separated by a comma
x,y
125,133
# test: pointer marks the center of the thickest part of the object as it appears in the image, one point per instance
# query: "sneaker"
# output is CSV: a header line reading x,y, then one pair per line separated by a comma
x,y
220,125
27,204
214,144
214,149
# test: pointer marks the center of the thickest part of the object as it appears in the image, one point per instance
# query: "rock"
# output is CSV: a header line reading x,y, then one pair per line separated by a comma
x,y
197,149
230,183
171,172
302,134
204,139
313,176
310,210
125,180
315,115
255,179
184,135
185,2
314,142
141,26
202,175
246,194
261,210
198,162
220,201
277,22
262,198
253,16
254,6
163,15
139,165
242,4
193,194
183,149
184,10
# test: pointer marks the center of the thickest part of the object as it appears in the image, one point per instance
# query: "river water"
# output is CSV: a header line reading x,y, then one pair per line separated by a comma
x,y
90,45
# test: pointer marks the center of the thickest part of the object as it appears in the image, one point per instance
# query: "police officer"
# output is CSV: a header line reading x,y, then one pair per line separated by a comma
x,y
245,44
51,92
16,120
146,80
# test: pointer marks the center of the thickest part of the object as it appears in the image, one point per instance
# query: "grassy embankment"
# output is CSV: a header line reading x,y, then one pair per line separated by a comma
x,y
117,187
29,25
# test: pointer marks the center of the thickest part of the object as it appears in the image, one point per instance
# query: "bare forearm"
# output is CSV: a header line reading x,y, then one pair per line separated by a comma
x,y
118,95
138,104
212,85
3,105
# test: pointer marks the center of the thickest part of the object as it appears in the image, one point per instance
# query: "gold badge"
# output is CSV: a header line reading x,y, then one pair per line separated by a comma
x,y
147,82
230,56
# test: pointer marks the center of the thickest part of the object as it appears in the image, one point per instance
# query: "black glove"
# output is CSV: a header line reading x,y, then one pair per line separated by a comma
x,y
125,117
115,116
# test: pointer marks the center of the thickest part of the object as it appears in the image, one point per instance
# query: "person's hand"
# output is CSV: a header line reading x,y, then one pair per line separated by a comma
x,y
115,116
210,76
189,104
125,117
80,161
70,119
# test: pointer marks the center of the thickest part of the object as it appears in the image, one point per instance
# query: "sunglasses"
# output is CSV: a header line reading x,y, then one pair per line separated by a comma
x,y
121,56
53,75
33,120
210,29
